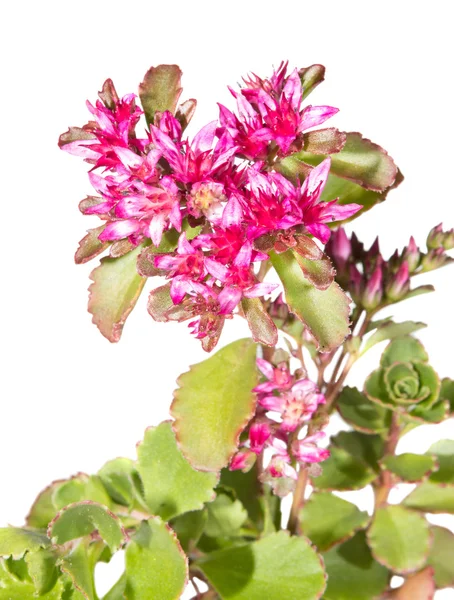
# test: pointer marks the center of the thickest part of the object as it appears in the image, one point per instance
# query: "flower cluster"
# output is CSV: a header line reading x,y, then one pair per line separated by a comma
x,y
295,402
374,282
220,192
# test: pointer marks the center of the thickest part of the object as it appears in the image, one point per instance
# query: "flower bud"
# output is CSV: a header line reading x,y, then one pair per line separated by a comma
x,y
412,255
399,285
339,249
259,434
356,283
438,238
435,259
243,461
373,292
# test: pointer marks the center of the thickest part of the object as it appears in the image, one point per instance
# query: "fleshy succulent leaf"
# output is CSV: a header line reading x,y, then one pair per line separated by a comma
x,y
15,541
440,557
277,566
90,246
160,90
389,331
114,292
328,520
399,539
419,586
324,312
82,519
352,571
310,78
443,451
171,486
362,414
156,566
262,327
431,497
213,405
409,467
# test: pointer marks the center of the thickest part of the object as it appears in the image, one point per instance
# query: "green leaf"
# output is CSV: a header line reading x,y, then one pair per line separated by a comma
x,y
431,497
366,448
79,488
277,566
262,327
15,541
360,161
409,467
399,539
12,588
90,246
119,477
440,557
342,471
390,331
405,350
357,410
328,520
156,567
324,312
43,510
160,90
353,574
213,405
248,490
82,519
311,77
42,569
171,485
447,392
443,450
114,292
76,565
225,517
189,527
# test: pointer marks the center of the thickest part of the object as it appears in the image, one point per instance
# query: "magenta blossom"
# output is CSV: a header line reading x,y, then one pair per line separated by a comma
x,y
306,450
269,110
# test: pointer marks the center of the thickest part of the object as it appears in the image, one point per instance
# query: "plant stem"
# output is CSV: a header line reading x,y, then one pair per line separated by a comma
x,y
298,501
386,479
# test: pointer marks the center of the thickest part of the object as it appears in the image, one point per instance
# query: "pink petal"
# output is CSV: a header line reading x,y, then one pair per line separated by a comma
x,y
216,270
274,403
118,230
243,258
315,182
232,214
228,299
203,140
265,367
316,115
155,228
260,289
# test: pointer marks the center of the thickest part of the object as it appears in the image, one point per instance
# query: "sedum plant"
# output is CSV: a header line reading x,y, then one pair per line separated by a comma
x,y
245,221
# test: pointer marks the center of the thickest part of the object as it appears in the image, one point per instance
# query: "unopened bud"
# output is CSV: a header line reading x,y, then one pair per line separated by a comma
x,y
373,292
438,238
399,285
356,283
412,255
435,259
339,249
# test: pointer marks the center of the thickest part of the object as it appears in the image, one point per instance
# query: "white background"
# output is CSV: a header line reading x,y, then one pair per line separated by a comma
x,y
70,399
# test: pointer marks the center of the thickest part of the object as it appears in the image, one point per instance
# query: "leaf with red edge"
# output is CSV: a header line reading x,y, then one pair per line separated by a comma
x,y
262,327
213,405
311,77
160,90
82,519
324,312
420,586
75,134
90,246
320,273
114,292
324,141
360,161
185,112
156,566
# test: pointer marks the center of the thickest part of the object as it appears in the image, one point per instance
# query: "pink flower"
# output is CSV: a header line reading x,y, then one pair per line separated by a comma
x,y
270,110
242,461
274,203
259,433
296,405
279,377
199,160
306,450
